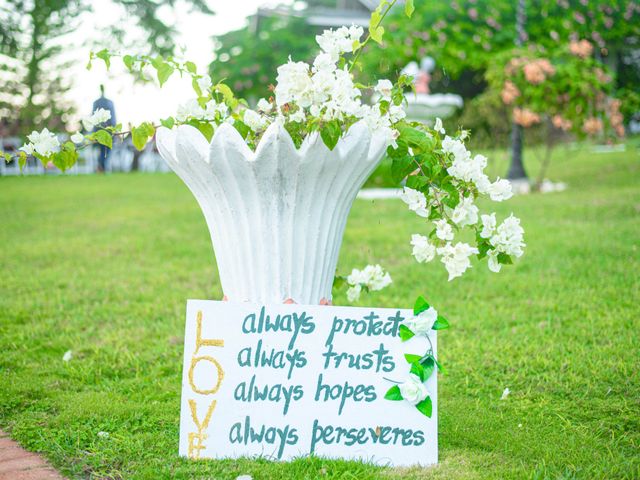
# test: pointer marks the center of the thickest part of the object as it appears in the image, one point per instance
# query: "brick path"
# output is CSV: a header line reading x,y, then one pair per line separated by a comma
x,y
18,464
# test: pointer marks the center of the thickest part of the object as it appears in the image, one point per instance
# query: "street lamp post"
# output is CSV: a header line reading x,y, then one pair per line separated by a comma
x,y
516,169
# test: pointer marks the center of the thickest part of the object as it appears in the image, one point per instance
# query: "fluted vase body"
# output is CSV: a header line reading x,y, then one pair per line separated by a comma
x,y
276,215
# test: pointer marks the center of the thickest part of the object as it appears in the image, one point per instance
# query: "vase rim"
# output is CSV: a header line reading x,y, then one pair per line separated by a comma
x,y
226,136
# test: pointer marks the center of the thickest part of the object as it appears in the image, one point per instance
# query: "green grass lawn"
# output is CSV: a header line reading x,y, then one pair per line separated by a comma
x,y
103,265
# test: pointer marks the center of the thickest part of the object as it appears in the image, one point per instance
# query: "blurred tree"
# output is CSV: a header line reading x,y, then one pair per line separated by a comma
x,y
33,39
248,59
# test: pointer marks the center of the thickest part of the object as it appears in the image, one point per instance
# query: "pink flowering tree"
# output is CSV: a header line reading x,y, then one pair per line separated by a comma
x,y
565,91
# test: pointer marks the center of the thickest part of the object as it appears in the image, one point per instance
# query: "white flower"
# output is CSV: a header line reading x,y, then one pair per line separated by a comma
x,y
505,393
466,168
212,109
372,276
293,84
465,213
244,477
456,258
254,120
43,143
384,88
494,264
423,323
508,237
353,293
324,62
298,116
443,229
500,190
98,117
189,109
423,251
67,356
438,126
416,201
103,434
204,83
77,137
488,225
264,106
396,113
413,390
336,42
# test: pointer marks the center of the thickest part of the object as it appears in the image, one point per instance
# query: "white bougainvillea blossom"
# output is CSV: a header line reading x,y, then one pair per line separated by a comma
x,y
372,278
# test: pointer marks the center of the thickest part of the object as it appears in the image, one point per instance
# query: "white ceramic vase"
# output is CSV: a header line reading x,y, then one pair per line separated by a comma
x,y
276,215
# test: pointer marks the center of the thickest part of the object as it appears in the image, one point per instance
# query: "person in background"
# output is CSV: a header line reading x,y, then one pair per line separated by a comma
x,y
104,152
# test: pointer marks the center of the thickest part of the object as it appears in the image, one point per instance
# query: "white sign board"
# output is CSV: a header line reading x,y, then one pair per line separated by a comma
x,y
284,381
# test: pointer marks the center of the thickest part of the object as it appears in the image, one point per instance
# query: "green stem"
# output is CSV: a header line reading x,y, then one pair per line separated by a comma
x,y
366,40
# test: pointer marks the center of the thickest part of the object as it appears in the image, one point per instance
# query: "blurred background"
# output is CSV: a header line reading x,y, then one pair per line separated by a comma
x,y
457,51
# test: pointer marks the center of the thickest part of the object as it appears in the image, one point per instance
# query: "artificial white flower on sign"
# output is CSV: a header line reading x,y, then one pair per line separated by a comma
x,y
413,390
422,323
416,201
423,251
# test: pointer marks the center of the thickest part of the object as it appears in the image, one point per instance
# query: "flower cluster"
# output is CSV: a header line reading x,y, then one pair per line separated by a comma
x,y
371,278
97,118
43,143
453,210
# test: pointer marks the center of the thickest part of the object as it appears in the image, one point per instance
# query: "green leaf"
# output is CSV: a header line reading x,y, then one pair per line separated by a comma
x,y
330,133
393,393
22,160
103,138
405,333
191,67
418,371
164,71
65,158
409,8
168,122
420,306
376,31
401,167
483,247
439,365
418,182
339,282
425,407
226,92
412,358
441,323
428,364
141,135
242,128
504,259
105,56
128,61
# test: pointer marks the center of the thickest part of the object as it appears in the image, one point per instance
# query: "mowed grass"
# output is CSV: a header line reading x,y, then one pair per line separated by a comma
x,y
103,265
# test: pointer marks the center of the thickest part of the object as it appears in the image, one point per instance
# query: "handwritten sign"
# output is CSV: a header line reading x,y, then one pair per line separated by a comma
x,y
284,381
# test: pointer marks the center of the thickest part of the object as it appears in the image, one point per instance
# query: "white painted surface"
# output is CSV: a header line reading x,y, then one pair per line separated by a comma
x,y
276,215
400,424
